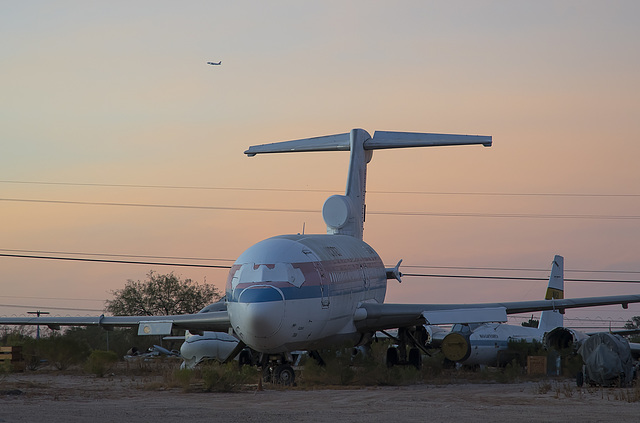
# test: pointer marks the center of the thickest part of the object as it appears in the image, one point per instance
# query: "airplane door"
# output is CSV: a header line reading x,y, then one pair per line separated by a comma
x,y
324,284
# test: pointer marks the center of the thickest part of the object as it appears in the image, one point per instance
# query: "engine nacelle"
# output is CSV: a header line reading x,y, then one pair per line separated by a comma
x,y
456,347
564,338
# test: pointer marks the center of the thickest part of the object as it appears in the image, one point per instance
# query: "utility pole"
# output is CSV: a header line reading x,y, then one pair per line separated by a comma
x,y
38,313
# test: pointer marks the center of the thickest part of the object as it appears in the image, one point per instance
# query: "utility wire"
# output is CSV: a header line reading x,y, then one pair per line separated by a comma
x,y
50,308
50,298
513,278
404,266
389,213
115,255
214,266
511,269
191,187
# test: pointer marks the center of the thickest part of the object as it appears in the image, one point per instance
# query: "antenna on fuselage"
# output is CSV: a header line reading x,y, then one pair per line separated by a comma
x,y
345,214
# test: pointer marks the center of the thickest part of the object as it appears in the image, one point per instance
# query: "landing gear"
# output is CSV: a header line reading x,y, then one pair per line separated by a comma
x,y
276,369
413,337
393,358
245,358
284,375
415,358
316,356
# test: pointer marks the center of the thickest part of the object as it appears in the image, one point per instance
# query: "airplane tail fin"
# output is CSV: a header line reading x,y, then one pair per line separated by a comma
x,y
552,319
344,214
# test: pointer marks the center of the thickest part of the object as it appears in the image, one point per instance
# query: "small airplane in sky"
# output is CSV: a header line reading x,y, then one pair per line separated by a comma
x,y
306,292
214,63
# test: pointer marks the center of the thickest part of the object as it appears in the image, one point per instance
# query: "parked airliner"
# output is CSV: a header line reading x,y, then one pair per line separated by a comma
x,y
487,343
306,292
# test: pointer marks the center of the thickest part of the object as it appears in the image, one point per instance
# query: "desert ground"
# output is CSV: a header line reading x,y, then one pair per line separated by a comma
x,y
53,396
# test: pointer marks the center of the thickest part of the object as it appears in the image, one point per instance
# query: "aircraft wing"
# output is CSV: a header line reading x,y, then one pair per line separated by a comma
x,y
217,321
373,316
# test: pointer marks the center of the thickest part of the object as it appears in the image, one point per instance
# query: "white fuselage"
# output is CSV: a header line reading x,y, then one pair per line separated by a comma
x,y
483,344
296,292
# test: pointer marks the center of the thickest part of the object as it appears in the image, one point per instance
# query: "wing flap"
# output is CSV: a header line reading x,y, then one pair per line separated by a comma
x,y
465,315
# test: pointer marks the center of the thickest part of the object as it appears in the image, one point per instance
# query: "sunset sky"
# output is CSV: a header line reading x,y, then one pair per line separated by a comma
x,y
114,103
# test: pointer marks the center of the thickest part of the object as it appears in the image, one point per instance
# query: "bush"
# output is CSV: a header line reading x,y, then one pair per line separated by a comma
x,y
227,377
62,352
101,362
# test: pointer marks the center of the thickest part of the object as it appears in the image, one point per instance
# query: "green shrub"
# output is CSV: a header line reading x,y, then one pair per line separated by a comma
x,y
101,362
227,377
61,351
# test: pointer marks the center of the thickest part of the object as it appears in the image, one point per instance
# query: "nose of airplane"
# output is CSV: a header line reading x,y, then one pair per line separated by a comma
x,y
259,313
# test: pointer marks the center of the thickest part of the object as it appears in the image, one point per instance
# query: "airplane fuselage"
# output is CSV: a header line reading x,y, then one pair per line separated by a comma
x,y
485,343
295,292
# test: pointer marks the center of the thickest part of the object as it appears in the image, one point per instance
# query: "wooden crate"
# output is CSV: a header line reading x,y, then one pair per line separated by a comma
x,y
13,356
536,365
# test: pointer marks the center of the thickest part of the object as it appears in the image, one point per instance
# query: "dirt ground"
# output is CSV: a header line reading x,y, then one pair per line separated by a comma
x,y
56,397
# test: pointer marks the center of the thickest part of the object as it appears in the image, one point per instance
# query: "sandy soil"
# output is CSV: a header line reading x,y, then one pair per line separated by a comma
x,y
55,397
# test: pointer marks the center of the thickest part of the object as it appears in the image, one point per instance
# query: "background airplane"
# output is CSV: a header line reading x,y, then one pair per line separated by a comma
x,y
214,63
487,343
306,292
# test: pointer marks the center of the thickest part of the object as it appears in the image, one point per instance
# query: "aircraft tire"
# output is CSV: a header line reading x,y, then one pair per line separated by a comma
x,y
415,358
244,359
393,357
284,375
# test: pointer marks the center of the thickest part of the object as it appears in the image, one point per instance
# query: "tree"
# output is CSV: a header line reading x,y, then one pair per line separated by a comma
x,y
634,323
161,295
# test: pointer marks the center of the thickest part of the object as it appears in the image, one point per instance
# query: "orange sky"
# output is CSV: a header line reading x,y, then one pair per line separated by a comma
x,y
121,94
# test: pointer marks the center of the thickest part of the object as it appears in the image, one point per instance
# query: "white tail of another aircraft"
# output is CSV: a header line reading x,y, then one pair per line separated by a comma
x,y
552,319
345,214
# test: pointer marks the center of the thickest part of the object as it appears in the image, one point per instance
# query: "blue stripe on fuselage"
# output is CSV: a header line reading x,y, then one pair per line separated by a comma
x,y
290,293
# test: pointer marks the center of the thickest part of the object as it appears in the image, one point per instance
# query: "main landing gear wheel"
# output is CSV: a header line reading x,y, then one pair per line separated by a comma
x,y
244,359
393,357
284,375
415,358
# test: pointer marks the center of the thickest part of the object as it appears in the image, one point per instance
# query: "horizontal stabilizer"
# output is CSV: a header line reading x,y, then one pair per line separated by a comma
x,y
386,139
380,140
468,315
339,142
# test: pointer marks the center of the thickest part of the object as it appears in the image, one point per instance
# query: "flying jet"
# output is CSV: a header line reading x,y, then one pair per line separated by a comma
x,y
487,343
214,63
311,291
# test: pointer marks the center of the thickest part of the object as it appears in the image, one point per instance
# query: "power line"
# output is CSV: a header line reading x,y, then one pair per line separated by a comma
x,y
50,308
514,269
193,187
404,266
279,210
513,278
148,263
166,206
115,255
50,298
177,187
